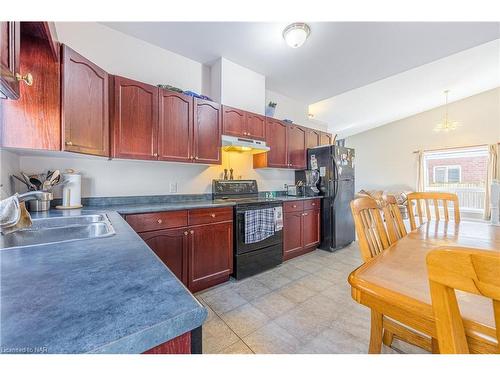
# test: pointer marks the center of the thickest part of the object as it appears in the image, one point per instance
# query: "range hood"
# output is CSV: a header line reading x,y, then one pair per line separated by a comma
x,y
238,144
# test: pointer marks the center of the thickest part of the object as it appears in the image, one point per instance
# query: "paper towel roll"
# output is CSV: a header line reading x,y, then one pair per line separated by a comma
x,y
72,190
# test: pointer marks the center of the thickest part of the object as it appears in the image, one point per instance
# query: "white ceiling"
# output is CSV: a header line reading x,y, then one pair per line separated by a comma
x,y
464,74
338,57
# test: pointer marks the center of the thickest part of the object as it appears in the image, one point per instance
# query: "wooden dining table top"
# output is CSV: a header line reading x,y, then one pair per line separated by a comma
x,y
396,283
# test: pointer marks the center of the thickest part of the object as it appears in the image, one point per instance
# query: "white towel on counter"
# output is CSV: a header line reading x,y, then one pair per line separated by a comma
x,y
10,212
278,218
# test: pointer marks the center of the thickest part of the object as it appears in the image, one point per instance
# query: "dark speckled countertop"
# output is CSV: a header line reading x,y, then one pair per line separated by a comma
x,y
105,295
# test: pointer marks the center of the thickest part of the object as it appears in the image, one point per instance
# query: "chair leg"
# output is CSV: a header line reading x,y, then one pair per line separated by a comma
x,y
375,332
434,345
388,337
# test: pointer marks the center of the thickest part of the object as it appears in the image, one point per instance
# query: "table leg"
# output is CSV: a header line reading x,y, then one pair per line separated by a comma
x,y
434,345
376,332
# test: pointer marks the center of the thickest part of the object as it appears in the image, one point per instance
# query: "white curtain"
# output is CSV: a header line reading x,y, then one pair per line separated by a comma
x,y
493,174
420,171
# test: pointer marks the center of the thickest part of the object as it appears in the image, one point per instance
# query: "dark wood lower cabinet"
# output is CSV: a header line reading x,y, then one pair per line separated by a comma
x,y
179,345
171,246
301,230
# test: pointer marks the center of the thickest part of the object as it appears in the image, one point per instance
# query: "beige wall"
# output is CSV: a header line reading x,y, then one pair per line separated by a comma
x,y
384,155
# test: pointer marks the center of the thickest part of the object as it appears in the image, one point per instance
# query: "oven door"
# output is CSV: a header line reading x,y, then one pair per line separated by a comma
x,y
241,246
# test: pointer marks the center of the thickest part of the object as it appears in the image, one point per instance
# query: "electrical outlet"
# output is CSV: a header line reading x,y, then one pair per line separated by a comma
x,y
173,187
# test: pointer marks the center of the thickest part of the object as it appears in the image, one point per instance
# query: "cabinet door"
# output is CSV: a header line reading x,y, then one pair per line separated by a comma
x,y
326,139
210,255
207,132
296,147
313,138
256,126
135,120
34,120
233,121
175,129
171,246
276,139
85,110
292,234
311,225
10,36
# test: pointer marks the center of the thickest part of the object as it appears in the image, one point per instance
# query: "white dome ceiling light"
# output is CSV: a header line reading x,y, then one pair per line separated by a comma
x,y
296,34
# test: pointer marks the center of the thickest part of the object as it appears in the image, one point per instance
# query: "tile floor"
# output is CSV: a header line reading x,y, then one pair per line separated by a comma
x,y
302,306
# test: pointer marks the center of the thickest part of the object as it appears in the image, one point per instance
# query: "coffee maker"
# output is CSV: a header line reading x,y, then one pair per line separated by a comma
x,y
309,180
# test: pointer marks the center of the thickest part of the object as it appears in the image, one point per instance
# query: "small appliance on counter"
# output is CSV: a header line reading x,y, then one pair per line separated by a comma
x,y
291,190
311,178
72,190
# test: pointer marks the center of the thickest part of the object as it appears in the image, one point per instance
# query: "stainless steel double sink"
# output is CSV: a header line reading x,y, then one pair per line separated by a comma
x,y
59,229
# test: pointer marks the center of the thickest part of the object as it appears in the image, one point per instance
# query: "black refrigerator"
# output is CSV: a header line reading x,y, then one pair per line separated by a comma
x,y
336,185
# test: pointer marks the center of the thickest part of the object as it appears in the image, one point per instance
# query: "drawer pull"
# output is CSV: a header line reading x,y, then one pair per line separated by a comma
x,y
294,206
213,215
191,231
186,233
159,221
313,204
305,214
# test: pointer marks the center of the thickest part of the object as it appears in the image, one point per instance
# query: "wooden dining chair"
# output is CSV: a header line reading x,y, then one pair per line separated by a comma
x,y
373,240
393,220
467,270
428,199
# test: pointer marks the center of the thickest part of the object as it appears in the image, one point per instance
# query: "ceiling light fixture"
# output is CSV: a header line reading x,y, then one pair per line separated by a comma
x,y
296,34
446,125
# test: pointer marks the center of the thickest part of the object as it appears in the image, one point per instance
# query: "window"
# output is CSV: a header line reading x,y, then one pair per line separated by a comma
x,y
447,174
462,171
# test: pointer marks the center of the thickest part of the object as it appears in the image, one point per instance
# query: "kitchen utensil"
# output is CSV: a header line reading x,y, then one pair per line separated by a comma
x,y
27,179
22,180
35,181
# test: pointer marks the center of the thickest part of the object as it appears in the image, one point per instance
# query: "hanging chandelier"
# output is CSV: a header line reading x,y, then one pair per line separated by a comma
x,y
446,125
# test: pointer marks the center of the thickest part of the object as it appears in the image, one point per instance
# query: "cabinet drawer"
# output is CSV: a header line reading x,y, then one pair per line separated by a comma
x,y
157,220
210,215
311,204
293,206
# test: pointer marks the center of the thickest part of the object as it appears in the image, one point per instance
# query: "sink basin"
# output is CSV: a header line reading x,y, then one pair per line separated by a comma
x,y
59,229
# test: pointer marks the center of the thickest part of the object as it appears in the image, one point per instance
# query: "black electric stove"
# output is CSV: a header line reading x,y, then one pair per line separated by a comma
x,y
253,258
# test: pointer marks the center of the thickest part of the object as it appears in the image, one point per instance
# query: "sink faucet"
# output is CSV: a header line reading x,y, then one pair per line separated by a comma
x,y
35,195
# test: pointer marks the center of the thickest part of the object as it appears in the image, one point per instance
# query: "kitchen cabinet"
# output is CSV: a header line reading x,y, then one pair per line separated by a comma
x,y
175,133
276,139
171,246
34,120
326,139
313,138
134,120
207,129
233,121
210,255
85,110
296,147
10,40
239,123
196,245
301,227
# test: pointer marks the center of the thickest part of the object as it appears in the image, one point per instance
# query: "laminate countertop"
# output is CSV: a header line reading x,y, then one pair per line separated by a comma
x,y
104,295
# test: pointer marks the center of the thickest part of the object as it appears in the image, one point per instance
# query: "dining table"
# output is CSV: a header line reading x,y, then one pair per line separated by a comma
x,y
395,284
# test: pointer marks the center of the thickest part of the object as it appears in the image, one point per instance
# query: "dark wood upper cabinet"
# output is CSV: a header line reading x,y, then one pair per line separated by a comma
x,y
171,246
34,120
276,139
85,109
233,121
210,254
134,119
175,133
207,124
10,39
313,138
326,139
296,147
255,126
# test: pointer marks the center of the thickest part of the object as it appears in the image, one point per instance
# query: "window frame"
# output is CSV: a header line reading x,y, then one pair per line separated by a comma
x,y
446,175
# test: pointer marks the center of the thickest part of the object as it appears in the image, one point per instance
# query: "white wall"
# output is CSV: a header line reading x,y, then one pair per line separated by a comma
x,y
9,164
384,155
102,177
288,108
121,54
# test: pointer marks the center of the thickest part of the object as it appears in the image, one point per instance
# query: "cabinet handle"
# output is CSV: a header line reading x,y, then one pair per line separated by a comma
x,y
213,215
196,157
313,204
191,157
191,231
69,143
159,221
248,133
186,233
294,206
305,214
26,78
155,154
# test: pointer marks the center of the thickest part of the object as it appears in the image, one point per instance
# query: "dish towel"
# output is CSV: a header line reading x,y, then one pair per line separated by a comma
x,y
259,225
278,218
13,215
